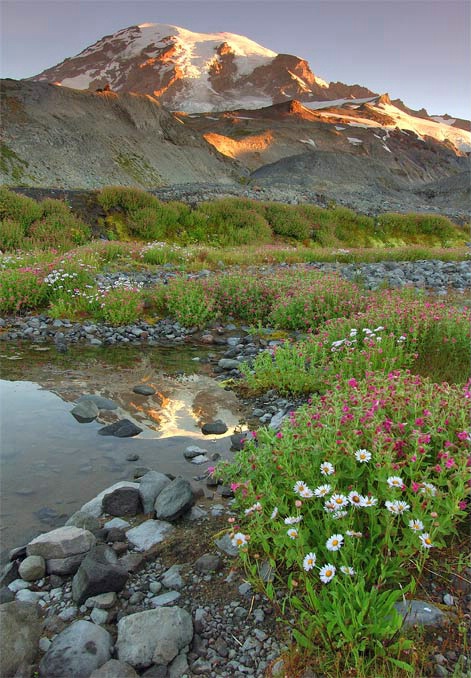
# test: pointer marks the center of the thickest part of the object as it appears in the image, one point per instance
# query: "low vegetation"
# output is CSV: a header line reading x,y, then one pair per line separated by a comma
x,y
345,505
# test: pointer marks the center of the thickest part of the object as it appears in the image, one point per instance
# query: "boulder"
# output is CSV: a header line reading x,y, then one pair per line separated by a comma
x,y
194,451
217,427
99,572
99,401
85,412
61,543
85,521
120,429
122,501
209,562
21,630
32,568
64,566
151,485
104,601
114,669
144,389
421,613
94,506
77,651
154,636
174,500
229,364
148,534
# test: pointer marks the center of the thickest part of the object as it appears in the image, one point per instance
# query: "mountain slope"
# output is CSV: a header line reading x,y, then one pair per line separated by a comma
x,y
55,136
195,72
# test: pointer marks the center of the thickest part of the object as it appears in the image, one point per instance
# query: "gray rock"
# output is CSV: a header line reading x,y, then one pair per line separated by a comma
x,y
143,389
9,573
155,587
194,451
85,412
151,485
99,401
148,534
18,585
103,601
27,596
19,639
448,599
85,521
32,568
64,566
172,579
209,562
114,669
165,599
277,420
116,522
99,572
44,644
68,613
217,427
174,500
122,501
200,459
155,636
179,667
228,364
77,651
420,612
99,616
94,506
224,544
61,543
120,429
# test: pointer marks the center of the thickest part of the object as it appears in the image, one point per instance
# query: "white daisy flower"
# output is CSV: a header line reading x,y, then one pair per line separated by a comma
x,y
327,468
416,525
353,332
307,493
428,489
339,500
309,561
300,486
327,573
354,498
292,533
322,490
330,506
426,541
368,501
363,456
239,539
395,481
336,515
347,570
396,507
274,513
292,520
334,543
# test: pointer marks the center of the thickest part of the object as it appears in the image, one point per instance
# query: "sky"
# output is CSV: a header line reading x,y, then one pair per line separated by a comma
x,y
417,50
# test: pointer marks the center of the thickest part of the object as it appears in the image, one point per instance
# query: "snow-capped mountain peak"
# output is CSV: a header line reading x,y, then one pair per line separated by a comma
x,y
194,72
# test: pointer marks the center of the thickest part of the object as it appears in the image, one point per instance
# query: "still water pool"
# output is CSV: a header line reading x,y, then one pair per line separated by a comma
x,y
51,464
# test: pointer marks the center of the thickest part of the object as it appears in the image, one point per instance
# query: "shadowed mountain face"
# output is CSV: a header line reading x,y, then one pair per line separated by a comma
x,y
195,72
64,138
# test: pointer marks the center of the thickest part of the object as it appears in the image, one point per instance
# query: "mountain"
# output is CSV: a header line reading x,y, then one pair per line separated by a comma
x,y
195,72
65,138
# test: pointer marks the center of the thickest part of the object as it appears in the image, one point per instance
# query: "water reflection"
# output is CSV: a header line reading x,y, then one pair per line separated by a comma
x,y
51,464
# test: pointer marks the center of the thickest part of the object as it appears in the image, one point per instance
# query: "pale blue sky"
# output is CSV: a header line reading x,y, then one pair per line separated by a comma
x,y
417,50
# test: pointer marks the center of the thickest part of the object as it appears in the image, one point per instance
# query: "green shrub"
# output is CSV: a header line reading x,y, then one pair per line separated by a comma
x,y
288,222
59,230
188,302
18,208
228,225
21,289
127,199
12,235
419,229
121,306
